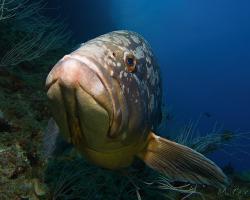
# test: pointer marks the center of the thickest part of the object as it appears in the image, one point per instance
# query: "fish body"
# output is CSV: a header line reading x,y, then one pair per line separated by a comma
x,y
106,99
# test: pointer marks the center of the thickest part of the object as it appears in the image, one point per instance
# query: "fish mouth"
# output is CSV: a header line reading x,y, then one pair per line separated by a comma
x,y
84,102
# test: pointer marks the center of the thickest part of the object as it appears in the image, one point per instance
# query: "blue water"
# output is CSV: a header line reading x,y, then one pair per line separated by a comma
x,y
203,48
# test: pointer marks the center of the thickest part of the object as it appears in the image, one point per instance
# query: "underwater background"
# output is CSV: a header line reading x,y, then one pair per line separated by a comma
x,y
203,49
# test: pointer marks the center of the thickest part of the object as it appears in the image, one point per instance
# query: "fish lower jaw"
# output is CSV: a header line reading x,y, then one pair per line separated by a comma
x,y
117,159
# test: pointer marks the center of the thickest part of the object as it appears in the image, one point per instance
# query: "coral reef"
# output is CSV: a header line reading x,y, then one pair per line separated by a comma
x,y
21,127
30,44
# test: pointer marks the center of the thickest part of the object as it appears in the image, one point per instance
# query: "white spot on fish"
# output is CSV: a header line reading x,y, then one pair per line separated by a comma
x,y
128,90
148,59
145,49
105,38
121,74
120,40
91,50
122,32
137,80
139,52
135,39
123,88
117,40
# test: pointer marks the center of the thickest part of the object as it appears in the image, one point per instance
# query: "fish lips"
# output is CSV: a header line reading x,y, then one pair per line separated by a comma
x,y
83,102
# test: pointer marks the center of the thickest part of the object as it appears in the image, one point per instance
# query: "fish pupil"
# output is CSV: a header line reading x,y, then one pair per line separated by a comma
x,y
130,61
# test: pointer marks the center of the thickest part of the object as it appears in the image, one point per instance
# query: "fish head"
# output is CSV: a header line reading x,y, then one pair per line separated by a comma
x,y
104,94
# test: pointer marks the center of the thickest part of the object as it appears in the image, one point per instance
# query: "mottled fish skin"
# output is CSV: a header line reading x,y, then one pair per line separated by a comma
x,y
136,96
141,89
106,100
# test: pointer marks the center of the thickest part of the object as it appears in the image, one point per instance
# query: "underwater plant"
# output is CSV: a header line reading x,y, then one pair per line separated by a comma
x,y
206,142
27,32
190,135
77,179
9,8
235,192
70,178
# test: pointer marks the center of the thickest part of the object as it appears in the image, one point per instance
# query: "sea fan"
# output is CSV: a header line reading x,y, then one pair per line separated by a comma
x,y
37,34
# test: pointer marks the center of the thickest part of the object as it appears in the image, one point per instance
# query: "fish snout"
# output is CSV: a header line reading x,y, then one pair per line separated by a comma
x,y
80,103
71,73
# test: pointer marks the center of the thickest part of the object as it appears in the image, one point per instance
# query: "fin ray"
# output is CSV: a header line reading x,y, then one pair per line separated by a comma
x,y
181,163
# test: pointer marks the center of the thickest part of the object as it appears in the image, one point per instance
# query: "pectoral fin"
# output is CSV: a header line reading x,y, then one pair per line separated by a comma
x,y
181,163
53,144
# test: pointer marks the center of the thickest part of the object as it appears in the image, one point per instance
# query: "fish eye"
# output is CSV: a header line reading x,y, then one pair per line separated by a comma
x,y
130,63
